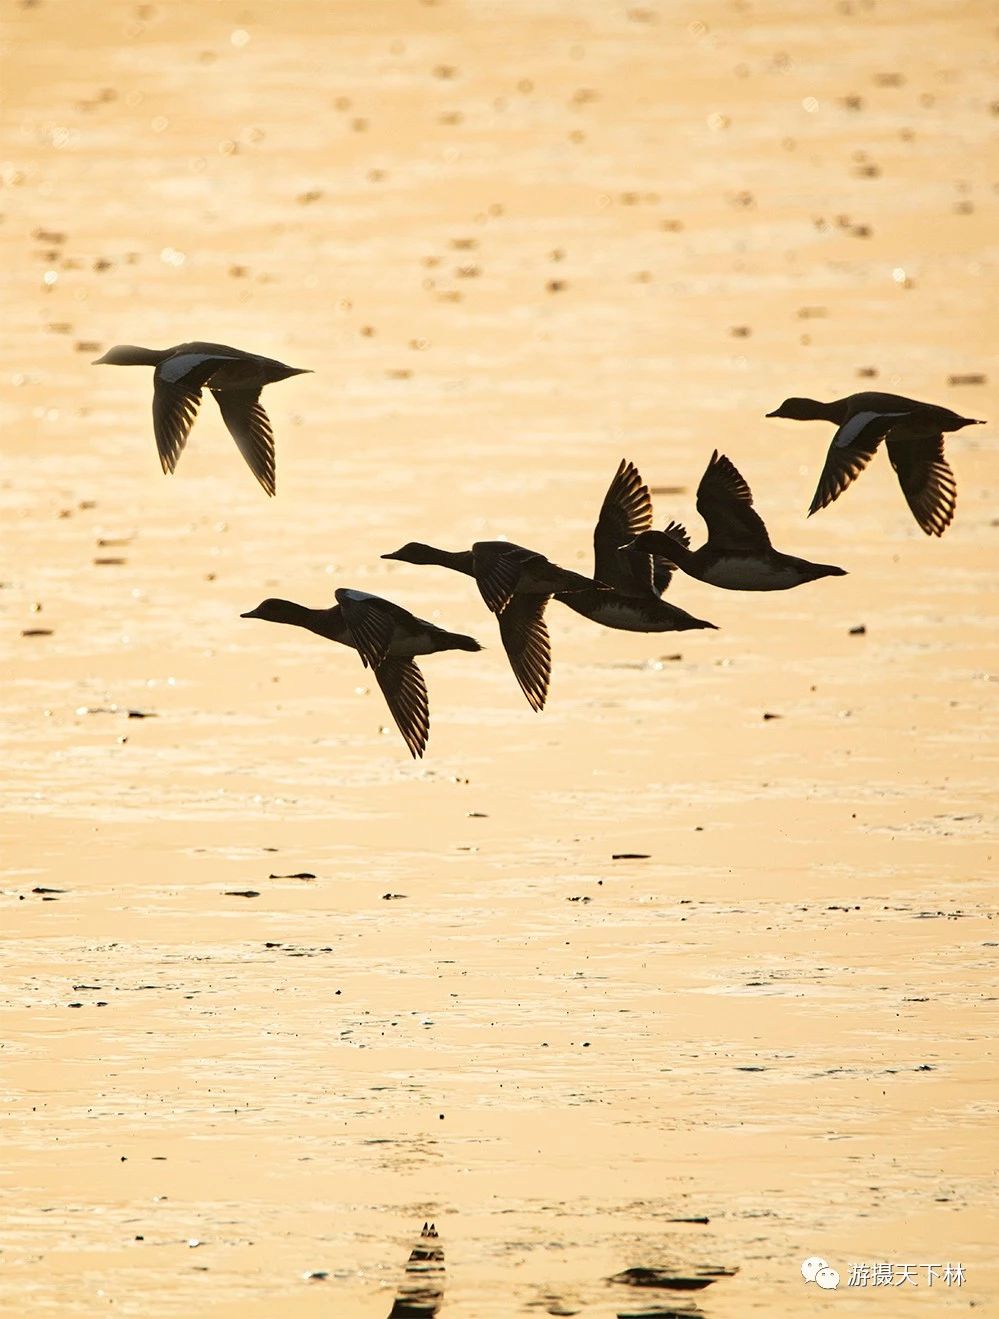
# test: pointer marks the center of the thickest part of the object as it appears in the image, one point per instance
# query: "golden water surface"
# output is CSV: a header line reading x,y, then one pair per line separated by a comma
x,y
515,241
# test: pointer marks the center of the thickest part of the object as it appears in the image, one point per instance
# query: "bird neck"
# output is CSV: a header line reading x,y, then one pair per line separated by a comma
x,y
327,623
668,547
132,355
324,622
837,411
458,560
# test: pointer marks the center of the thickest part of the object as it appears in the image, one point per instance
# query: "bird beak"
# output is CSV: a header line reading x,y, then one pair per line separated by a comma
x,y
250,614
99,361
774,413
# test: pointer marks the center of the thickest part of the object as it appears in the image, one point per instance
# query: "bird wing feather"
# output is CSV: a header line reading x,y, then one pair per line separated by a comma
x,y
725,502
926,480
249,426
625,513
174,410
371,623
525,639
498,566
405,694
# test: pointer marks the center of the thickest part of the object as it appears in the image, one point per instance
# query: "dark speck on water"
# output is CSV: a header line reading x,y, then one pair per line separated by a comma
x,y
652,1277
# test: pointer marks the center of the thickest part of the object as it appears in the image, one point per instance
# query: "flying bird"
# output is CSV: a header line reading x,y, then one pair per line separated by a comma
x,y
235,379
631,597
387,637
913,433
737,554
516,585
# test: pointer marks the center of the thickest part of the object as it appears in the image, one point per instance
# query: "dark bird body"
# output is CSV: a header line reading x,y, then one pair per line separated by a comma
x,y
387,637
516,584
635,582
913,433
737,555
235,379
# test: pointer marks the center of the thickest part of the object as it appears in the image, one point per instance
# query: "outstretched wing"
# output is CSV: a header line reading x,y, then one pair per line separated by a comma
x,y
625,513
405,694
926,480
177,385
174,410
249,426
498,565
852,448
372,623
525,639
725,502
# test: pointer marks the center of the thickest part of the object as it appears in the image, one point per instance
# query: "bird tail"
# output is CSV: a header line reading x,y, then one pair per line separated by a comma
x,y
459,642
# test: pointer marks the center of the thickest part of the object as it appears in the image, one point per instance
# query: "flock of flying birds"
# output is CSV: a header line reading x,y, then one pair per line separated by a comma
x,y
633,564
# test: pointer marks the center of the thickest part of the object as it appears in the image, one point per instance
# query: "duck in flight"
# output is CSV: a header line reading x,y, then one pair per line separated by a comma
x,y
516,584
737,554
913,433
634,601
387,637
235,379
